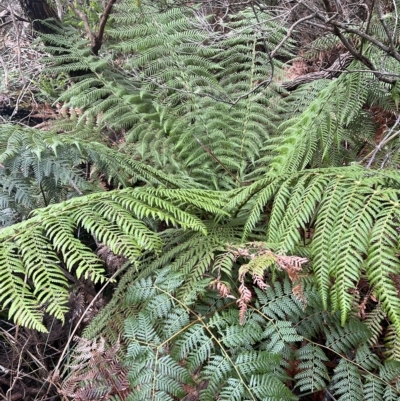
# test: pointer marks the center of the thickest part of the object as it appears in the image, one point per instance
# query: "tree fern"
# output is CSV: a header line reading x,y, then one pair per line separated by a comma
x,y
263,260
326,120
41,168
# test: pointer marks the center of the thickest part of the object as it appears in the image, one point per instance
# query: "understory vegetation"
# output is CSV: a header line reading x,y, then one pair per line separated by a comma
x,y
200,200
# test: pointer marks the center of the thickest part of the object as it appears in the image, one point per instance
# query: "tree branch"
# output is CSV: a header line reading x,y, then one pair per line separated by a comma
x,y
329,20
385,27
85,21
96,40
102,25
289,33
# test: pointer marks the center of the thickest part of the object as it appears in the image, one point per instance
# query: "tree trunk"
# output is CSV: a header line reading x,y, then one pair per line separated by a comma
x,y
38,10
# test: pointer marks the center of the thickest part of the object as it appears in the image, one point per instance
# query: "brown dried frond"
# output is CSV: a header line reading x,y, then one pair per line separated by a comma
x,y
298,292
293,265
80,299
259,281
95,373
238,252
92,392
94,309
362,307
221,287
260,260
76,304
298,68
245,298
291,262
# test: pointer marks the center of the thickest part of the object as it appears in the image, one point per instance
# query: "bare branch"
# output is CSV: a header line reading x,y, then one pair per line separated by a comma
x,y
102,25
83,17
385,27
329,19
362,34
96,40
289,33
388,137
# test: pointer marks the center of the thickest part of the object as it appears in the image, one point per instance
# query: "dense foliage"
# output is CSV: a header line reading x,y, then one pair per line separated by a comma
x,y
238,164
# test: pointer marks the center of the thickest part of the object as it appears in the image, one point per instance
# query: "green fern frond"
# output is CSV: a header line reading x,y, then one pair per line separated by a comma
x,y
343,209
313,373
358,212
347,382
207,122
279,302
373,389
373,322
350,336
112,217
58,156
392,343
16,293
382,262
198,346
188,103
316,135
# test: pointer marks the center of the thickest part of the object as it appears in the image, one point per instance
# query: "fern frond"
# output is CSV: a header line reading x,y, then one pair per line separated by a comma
x,y
382,262
313,373
350,336
41,168
112,217
315,136
342,208
16,293
358,212
347,382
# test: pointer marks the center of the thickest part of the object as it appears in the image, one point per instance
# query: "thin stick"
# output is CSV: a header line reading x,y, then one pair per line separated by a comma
x,y
81,319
